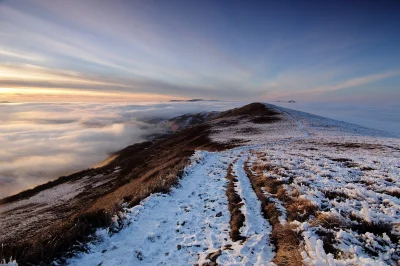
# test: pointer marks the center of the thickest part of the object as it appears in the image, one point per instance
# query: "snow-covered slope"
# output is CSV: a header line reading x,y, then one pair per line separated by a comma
x,y
306,190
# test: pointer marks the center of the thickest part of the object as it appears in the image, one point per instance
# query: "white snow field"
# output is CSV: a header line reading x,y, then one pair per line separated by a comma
x,y
350,174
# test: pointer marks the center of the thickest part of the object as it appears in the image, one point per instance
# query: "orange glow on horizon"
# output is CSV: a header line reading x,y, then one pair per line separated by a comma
x,y
68,95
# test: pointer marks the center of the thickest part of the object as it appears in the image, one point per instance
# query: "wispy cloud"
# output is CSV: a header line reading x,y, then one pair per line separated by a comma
x,y
356,82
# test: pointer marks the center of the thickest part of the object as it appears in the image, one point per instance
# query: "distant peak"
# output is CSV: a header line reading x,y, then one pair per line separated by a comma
x,y
255,108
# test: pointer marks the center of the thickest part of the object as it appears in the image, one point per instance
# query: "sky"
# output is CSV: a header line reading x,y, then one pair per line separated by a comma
x,y
106,51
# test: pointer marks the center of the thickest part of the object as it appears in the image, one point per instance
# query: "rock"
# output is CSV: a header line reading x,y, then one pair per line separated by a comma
x,y
219,214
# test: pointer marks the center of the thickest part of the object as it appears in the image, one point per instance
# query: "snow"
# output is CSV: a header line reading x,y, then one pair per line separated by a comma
x,y
360,165
319,155
11,262
19,216
256,250
314,254
183,227
350,173
365,211
278,205
259,134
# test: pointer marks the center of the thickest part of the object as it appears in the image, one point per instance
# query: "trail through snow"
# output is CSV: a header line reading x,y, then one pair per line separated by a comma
x,y
256,229
182,228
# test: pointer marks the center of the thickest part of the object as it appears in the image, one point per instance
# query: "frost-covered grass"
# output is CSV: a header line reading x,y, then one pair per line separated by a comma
x,y
352,175
356,186
250,133
332,187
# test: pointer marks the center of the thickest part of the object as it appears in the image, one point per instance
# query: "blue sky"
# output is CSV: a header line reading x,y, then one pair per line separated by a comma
x,y
73,50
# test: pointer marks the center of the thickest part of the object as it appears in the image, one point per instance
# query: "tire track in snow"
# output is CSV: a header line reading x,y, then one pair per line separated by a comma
x,y
256,249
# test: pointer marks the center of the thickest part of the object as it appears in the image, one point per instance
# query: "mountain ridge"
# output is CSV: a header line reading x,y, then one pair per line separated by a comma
x,y
146,168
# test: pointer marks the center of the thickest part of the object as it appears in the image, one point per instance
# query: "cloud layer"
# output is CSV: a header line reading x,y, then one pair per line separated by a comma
x,y
41,142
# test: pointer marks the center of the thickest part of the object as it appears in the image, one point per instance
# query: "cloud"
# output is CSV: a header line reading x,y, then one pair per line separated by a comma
x,y
283,86
356,82
37,78
41,142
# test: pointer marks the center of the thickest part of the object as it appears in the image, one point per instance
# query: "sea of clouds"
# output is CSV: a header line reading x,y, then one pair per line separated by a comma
x,y
42,141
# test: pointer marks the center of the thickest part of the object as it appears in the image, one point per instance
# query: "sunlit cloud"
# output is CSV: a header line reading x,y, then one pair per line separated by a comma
x,y
4,52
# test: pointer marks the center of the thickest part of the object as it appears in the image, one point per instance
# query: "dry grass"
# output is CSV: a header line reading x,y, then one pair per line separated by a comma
x,y
234,205
361,226
287,242
327,224
328,221
158,180
272,185
283,237
259,168
271,213
60,240
258,182
395,194
283,196
300,209
332,194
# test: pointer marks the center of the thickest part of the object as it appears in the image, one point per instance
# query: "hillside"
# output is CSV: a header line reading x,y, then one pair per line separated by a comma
x,y
257,185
